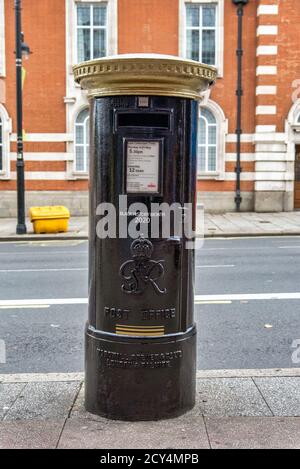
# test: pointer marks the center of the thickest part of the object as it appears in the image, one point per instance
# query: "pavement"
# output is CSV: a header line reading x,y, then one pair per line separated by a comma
x,y
247,409
215,225
252,224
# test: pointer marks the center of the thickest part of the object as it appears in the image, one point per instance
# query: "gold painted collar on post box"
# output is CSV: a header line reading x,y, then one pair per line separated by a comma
x,y
145,74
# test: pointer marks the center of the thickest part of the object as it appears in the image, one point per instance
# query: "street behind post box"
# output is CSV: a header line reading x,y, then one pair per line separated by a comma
x,y
248,348
245,320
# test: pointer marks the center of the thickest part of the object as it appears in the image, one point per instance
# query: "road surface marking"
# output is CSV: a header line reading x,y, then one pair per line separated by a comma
x,y
214,266
37,253
288,247
42,302
41,270
25,307
198,298
249,297
254,248
220,302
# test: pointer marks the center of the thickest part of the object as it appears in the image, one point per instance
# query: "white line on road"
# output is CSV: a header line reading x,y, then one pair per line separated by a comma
x,y
198,299
41,270
288,247
25,307
214,266
41,302
42,253
248,297
242,248
216,302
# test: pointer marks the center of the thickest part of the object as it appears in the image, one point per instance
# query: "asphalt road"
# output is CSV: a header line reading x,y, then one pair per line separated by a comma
x,y
254,330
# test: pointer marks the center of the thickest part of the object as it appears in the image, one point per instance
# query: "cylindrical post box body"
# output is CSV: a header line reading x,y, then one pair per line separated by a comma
x,y
141,336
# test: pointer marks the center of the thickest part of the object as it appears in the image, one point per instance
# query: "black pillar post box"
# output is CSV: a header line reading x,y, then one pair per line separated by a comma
x,y
141,336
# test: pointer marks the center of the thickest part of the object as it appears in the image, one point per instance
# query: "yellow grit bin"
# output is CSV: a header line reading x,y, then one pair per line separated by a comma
x,y
50,219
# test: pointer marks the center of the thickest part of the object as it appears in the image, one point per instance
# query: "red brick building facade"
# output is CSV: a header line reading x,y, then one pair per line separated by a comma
x,y
62,32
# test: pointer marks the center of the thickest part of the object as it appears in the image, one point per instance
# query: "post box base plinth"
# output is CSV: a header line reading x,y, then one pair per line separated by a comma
x,y
129,378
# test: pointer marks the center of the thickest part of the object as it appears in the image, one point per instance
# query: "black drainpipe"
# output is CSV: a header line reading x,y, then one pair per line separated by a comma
x,y
239,93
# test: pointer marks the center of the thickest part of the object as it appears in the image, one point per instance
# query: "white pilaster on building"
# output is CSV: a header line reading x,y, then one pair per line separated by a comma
x,y
272,172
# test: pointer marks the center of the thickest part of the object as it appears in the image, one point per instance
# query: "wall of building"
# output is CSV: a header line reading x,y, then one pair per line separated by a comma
x,y
148,26
279,69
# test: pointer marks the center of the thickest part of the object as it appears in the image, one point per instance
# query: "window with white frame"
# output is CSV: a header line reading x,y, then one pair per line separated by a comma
x,y
91,30
201,32
82,142
207,143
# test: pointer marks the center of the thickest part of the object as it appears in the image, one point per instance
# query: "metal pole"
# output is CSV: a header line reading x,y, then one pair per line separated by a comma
x,y
239,93
21,226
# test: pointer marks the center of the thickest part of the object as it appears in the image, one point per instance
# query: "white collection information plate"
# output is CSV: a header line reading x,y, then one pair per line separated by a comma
x,y
143,166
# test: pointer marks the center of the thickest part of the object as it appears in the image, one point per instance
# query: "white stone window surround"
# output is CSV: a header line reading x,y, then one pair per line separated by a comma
x,y
6,129
292,131
222,131
71,19
76,99
219,30
84,125
207,140
2,40
293,120
74,112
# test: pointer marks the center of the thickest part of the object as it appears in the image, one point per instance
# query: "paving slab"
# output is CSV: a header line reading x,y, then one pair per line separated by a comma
x,y
44,401
8,395
92,432
250,373
281,394
225,397
215,397
42,377
253,433
187,432
242,223
30,434
223,224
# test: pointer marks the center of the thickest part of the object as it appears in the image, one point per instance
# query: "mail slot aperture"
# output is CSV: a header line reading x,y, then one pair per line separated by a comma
x,y
155,120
